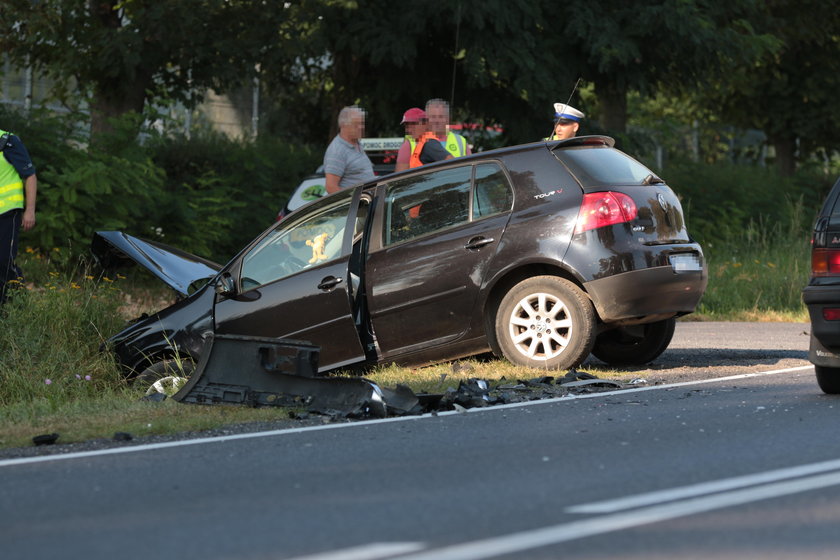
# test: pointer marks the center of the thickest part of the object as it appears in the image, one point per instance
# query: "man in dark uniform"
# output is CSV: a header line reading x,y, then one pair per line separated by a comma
x,y
18,190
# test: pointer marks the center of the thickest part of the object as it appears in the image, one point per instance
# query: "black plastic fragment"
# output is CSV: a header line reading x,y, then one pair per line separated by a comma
x,y
123,436
606,383
400,400
574,375
45,439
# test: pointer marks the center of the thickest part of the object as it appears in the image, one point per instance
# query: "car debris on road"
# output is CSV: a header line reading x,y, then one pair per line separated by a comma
x,y
257,371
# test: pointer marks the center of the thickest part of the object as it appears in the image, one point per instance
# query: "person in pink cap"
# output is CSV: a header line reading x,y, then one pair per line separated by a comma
x,y
414,121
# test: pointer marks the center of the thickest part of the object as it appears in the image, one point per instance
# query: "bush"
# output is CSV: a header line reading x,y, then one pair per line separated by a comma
x,y
723,201
83,188
220,193
206,194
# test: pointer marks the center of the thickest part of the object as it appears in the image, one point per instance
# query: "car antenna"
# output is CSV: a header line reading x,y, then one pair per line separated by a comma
x,y
574,89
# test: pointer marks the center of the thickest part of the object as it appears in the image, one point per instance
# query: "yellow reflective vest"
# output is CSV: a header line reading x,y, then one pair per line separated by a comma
x,y
11,185
455,144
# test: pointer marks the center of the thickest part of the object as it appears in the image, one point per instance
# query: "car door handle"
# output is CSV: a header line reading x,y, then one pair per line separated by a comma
x,y
329,283
478,242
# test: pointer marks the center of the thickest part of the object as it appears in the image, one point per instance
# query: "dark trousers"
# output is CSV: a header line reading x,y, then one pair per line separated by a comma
x,y
9,230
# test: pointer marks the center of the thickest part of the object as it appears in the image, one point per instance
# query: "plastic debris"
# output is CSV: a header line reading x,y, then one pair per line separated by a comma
x,y
258,371
575,375
45,439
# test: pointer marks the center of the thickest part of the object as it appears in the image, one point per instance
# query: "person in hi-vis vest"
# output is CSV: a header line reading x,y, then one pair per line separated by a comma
x,y
416,150
18,190
437,113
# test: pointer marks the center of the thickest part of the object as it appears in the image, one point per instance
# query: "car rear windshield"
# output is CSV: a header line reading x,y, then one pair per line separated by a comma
x,y
833,199
602,166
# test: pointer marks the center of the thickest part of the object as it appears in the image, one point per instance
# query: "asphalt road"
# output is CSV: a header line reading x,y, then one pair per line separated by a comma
x,y
738,460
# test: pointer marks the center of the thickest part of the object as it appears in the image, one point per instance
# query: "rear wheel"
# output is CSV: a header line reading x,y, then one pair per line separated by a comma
x,y
165,376
635,345
545,322
828,378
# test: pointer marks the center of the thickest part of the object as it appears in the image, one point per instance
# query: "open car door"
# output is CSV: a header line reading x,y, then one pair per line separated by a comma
x,y
297,281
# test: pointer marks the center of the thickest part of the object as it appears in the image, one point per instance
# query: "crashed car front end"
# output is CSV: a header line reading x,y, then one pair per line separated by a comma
x,y
180,331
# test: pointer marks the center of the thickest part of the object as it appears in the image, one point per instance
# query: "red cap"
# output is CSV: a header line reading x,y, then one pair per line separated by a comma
x,y
413,115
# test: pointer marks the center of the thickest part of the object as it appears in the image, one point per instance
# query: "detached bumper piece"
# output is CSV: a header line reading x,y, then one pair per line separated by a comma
x,y
258,371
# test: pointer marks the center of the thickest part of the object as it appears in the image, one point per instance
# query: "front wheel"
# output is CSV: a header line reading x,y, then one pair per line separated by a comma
x,y
634,345
165,376
828,378
545,322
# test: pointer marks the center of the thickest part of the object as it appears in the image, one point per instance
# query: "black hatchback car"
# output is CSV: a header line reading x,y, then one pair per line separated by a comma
x,y
822,294
542,253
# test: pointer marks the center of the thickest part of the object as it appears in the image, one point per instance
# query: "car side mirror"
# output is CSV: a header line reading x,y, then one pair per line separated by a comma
x,y
225,285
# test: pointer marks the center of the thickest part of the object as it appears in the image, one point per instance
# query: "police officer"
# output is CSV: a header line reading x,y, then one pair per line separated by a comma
x,y
566,122
18,190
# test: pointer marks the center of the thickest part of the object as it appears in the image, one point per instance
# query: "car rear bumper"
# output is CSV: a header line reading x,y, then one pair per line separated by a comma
x,y
825,335
651,292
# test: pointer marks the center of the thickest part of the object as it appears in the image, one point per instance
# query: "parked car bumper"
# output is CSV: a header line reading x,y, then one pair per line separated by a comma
x,y
825,334
627,298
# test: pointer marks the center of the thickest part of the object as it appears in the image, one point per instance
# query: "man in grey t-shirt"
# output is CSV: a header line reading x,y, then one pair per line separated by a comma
x,y
345,162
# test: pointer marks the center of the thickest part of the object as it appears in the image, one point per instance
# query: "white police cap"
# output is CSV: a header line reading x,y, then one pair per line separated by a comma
x,y
563,111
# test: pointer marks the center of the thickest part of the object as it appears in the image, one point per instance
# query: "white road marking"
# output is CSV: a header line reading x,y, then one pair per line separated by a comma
x,y
646,499
372,551
536,538
272,433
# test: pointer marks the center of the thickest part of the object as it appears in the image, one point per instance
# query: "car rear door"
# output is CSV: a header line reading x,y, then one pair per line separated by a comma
x,y
439,232
288,285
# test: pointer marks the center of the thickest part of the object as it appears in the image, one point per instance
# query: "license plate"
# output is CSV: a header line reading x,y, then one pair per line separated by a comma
x,y
685,263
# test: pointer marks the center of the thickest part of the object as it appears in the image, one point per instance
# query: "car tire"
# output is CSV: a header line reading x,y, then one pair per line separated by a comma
x,y
545,322
828,378
164,373
633,346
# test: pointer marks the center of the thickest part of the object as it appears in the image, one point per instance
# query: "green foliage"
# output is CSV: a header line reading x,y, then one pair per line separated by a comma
x,y
206,194
50,337
220,193
83,189
789,93
118,54
758,273
723,201
92,190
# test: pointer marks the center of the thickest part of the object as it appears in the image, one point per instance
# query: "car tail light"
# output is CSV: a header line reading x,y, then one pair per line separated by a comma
x,y
831,313
825,262
604,209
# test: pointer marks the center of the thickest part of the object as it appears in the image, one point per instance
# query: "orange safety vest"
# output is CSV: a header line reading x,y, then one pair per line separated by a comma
x,y
414,161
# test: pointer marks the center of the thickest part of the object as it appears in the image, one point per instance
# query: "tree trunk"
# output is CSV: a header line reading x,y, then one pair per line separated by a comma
x,y
785,147
115,97
612,99
111,101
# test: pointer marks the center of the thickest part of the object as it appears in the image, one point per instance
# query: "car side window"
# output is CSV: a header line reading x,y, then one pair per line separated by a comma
x,y
427,203
297,244
492,193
